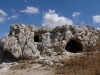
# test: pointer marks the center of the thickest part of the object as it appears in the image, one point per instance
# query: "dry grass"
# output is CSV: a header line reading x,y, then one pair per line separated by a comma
x,y
24,63
86,65
21,66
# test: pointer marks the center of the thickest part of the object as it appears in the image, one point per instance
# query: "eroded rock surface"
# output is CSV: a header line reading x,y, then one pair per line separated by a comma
x,y
25,41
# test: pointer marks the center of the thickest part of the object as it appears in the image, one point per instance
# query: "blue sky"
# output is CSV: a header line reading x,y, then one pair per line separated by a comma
x,y
48,13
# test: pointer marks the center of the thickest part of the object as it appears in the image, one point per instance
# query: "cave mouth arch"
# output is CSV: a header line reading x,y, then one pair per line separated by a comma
x,y
36,38
8,55
74,46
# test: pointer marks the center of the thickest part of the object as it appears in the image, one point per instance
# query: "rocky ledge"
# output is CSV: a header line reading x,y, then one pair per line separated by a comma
x,y
25,41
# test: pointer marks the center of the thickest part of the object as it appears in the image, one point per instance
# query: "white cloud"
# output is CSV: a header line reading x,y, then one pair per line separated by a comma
x,y
2,13
82,23
8,18
2,19
52,19
98,28
2,16
25,0
6,34
44,24
30,10
76,14
96,18
14,16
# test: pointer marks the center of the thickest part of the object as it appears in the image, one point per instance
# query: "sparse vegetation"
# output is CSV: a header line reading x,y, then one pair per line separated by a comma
x,y
25,63
21,66
86,65
31,59
22,61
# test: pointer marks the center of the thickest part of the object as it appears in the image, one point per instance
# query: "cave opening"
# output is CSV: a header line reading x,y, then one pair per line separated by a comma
x,y
8,58
1,48
8,55
74,46
36,38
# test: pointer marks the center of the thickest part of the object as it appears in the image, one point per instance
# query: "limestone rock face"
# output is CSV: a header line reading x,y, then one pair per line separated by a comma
x,y
25,41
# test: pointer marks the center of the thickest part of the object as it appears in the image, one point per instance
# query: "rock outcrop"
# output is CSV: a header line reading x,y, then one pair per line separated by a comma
x,y
25,41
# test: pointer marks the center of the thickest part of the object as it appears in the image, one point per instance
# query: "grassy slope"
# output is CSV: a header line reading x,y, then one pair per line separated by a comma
x,y
86,65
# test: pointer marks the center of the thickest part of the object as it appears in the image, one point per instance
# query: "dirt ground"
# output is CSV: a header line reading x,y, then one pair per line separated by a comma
x,y
35,71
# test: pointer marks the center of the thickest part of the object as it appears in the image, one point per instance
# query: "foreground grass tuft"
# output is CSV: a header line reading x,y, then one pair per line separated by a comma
x,y
86,65
21,66
24,63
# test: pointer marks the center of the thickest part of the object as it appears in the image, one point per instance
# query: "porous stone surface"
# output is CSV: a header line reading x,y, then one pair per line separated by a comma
x,y
25,41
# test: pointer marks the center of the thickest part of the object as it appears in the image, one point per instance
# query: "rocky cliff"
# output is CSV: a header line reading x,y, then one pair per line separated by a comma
x,y
25,41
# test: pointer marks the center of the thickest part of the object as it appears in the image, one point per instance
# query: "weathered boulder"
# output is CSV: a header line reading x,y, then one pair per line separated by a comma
x,y
25,41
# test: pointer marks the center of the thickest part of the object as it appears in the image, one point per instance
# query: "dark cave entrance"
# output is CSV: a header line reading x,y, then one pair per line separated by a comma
x,y
1,48
8,55
74,46
8,58
36,38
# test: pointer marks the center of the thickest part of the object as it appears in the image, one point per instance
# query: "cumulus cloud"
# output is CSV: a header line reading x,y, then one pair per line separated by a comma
x,y
25,0
2,13
2,16
8,18
6,34
2,19
98,28
52,19
96,18
30,10
14,16
76,14
82,23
